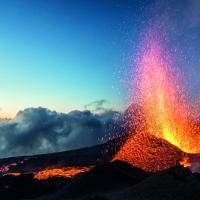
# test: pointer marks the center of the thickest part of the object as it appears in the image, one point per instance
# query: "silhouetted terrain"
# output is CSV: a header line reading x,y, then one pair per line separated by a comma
x,y
118,180
106,180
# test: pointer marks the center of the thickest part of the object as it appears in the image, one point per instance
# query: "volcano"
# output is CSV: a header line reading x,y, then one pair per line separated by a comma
x,y
149,153
106,179
156,157
166,132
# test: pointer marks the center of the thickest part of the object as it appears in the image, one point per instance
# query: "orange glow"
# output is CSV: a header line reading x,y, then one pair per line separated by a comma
x,y
185,161
6,168
149,153
60,172
165,113
14,174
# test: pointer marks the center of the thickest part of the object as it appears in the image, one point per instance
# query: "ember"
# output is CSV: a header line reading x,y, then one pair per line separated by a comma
x,y
166,112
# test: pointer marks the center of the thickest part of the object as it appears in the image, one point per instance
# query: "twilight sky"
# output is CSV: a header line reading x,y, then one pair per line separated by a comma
x,y
64,54
60,54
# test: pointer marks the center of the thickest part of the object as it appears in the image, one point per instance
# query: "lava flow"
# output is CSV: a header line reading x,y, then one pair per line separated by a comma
x,y
165,112
69,172
4,169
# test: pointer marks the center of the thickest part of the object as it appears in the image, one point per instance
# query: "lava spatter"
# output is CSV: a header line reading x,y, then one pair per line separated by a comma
x,y
166,132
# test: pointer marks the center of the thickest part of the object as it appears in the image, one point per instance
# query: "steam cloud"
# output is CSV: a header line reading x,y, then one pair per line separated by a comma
x,y
39,130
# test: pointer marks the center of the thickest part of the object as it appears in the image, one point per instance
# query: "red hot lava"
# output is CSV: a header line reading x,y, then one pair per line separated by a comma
x,y
69,172
166,116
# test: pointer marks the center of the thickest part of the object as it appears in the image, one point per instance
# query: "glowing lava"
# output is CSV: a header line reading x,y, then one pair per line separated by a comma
x,y
165,112
149,153
6,168
14,174
69,172
185,161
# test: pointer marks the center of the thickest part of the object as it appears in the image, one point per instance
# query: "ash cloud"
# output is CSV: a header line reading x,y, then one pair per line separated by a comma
x,y
39,130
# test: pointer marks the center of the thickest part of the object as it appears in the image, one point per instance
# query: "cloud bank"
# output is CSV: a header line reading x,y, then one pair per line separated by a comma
x,y
39,130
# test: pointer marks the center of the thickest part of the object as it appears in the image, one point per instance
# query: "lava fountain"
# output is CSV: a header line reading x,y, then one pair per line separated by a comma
x,y
166,115
166,112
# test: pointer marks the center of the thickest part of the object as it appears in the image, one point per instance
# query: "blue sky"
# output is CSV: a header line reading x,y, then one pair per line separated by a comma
x,y
64,54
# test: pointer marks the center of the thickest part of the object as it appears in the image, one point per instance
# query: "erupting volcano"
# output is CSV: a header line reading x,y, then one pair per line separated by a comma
x,y
167,131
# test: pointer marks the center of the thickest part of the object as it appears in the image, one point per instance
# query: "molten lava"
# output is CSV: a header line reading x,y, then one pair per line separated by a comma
x,y
149,153
166,115
185,161
69,172
14,174
6,168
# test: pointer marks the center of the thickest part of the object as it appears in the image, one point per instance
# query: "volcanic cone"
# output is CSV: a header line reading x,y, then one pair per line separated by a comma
x,y
149,153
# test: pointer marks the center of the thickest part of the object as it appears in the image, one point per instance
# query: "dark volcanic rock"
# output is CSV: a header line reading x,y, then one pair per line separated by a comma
x,y
118,180
74,158
108,180
24,186
103,178
176,183
106,177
